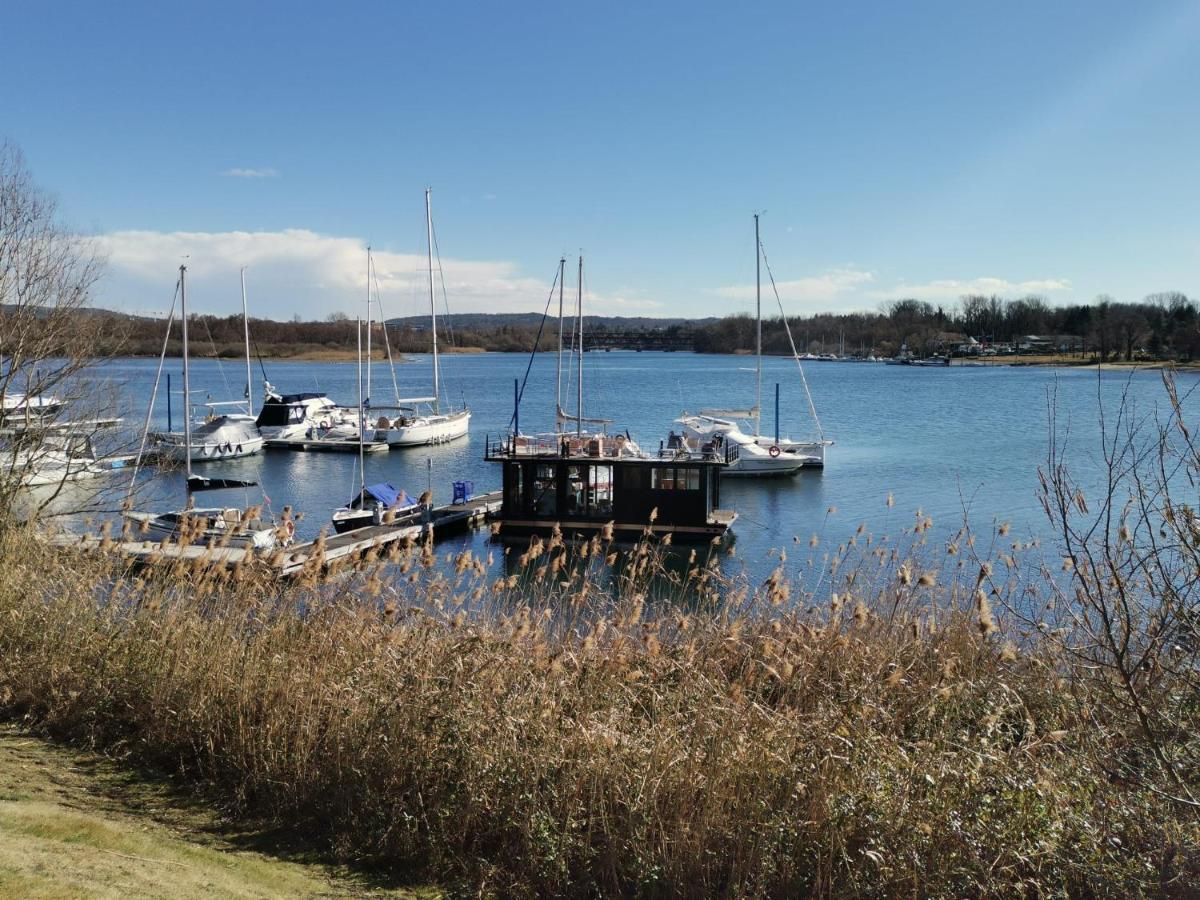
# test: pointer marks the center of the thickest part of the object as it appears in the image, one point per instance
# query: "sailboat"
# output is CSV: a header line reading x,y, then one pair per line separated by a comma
x,y
219,436
421,420
759,454
214,526
372,502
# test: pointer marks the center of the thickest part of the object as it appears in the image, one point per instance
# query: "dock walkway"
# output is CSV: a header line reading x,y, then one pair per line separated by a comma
x,y
437,522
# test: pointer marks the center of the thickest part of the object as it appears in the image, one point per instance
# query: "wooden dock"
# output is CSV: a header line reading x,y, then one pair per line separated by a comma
x,y
436,522
319,445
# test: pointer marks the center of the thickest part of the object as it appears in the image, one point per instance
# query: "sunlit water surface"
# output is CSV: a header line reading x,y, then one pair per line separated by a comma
x,y
954,443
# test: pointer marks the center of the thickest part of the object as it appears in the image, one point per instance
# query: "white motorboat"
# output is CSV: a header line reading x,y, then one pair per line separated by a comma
x,y
61,457
17,407
307,415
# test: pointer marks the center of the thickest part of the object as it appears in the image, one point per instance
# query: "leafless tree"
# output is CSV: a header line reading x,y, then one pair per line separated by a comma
x,y
1126,605
47,338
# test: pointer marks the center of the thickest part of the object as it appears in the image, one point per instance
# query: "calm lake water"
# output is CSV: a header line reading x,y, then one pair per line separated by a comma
x,y
952,442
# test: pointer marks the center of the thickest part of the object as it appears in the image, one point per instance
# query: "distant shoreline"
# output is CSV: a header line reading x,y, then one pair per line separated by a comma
x,y
326,354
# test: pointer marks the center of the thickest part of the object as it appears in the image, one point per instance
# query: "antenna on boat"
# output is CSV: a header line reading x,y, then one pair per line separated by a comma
x,y
362,471
579,379
432,301
758,333
562,265
246,330
368,328
187,388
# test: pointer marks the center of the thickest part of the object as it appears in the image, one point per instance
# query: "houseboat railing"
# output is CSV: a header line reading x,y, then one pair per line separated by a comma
x,y
532,446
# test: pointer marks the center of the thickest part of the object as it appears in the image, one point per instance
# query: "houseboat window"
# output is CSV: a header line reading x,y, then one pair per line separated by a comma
x,y
545,491
576,491
516,481
682,478
600,483
635,477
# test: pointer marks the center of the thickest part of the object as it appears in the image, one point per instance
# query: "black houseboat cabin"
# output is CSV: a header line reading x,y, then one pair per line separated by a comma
x,y
582,483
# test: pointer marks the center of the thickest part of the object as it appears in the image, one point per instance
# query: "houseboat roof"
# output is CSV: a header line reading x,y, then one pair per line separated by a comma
x,y
587,448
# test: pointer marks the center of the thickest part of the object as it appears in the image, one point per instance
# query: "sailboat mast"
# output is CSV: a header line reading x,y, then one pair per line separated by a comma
x,y
246,329
579,347
432,302
362,473
758,333
368,327
562,274
187,391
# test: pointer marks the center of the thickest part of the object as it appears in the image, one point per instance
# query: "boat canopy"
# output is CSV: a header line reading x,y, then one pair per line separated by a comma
x,y
388,495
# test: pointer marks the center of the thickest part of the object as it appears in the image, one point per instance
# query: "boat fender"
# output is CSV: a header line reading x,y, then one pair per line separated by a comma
x,y
228,447
239,448
774,451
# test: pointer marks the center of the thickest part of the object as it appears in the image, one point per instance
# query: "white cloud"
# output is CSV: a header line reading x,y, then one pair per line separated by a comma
x,y
833,289
267,172
849,289
947,289
301,272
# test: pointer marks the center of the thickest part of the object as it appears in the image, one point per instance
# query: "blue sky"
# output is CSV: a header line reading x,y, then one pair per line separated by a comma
x,y
923,149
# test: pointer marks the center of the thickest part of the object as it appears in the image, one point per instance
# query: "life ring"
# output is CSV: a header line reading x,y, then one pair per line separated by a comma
x,y
774,451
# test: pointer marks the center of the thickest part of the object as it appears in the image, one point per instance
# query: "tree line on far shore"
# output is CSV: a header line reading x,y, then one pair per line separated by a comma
x,y
1161,326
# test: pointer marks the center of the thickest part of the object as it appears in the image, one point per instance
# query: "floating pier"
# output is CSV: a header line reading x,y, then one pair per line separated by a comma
x,y
287,561
318,445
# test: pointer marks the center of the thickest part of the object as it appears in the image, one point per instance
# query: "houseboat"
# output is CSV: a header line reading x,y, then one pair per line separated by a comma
x,y
586,484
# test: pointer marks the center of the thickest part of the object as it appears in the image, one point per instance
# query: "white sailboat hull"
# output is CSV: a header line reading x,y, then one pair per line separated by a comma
x,y
810,453
424,430
209,451
751,465
228,437
55,468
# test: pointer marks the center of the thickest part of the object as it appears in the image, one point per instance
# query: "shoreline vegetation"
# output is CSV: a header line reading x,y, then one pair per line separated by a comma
x,y
964,716
1162,329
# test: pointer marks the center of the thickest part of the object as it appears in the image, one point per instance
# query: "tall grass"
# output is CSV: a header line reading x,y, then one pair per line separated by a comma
x,y
866,723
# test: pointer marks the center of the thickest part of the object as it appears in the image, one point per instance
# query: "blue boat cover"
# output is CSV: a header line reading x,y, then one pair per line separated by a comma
x,y
388,495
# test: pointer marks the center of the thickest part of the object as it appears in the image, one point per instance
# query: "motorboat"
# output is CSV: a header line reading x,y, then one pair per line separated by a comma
x,y
305,415
375,504
212,527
